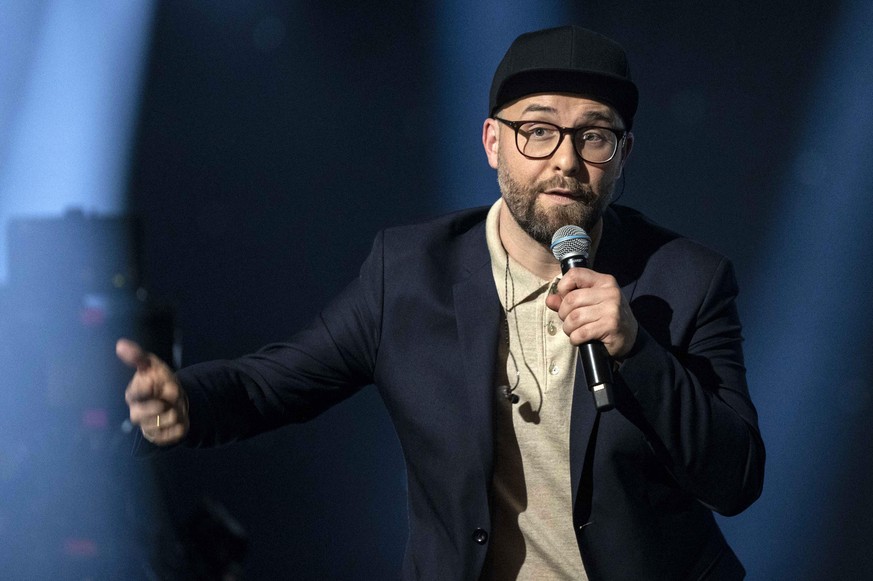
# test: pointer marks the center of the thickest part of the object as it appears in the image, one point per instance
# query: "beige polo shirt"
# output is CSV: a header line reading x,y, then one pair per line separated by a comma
x,y
532,524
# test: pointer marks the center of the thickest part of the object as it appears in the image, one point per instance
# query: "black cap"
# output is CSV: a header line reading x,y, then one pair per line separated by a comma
x,y
569,59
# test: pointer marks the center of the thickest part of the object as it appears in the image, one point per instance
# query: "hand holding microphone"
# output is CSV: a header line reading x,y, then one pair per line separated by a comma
x,y
595,314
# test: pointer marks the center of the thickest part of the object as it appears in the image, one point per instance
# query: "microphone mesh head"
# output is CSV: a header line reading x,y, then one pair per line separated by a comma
x,y
570,241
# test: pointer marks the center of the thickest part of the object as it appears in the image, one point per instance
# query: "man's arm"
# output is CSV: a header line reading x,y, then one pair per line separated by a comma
x,y
693,407
217,402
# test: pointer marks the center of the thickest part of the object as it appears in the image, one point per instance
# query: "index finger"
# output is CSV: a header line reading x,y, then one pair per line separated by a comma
x,y
132,354
575,278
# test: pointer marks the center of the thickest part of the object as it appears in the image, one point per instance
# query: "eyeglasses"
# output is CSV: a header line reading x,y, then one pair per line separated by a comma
x,y
539,140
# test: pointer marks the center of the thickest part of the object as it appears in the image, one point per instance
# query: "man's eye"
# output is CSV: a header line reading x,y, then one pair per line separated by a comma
x,y
593,137
539,131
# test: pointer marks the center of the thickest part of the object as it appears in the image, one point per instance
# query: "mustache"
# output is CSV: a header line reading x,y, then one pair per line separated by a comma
x,y
579,189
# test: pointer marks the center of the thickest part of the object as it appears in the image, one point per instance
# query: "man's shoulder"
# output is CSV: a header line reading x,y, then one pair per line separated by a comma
x,y
444,246
450,224
636,248
640,232
442,231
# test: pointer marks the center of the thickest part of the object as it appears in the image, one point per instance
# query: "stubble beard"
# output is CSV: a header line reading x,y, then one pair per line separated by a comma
x,y
540,223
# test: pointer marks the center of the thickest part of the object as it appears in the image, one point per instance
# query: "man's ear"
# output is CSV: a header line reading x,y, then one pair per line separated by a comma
x,y
626,149
490,141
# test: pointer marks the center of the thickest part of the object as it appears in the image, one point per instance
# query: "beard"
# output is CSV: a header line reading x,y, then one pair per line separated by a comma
x,y
540,223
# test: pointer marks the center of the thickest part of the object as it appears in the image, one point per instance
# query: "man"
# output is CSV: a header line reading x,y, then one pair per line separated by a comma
x,y
512,472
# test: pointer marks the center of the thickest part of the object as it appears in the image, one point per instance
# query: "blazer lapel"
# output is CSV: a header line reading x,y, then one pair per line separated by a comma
x,y
477,311
614,255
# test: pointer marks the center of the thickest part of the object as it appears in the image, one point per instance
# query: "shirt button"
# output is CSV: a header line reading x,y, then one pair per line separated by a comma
x,y
551,328
554,369
480,536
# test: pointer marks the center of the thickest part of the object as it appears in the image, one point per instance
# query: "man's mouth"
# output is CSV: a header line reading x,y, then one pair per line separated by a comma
x,y
560,194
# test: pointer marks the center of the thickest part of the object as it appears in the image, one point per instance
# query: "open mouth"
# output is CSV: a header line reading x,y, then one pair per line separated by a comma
x,y
560,195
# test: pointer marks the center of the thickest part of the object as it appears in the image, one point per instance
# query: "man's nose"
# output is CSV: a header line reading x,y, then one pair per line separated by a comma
x,y
565,158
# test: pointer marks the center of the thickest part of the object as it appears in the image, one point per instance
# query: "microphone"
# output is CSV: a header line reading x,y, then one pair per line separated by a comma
x,y
570,245
506,391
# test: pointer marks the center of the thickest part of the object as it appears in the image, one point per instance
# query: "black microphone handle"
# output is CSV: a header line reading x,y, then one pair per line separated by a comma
x,y
598,372
595,358
574,261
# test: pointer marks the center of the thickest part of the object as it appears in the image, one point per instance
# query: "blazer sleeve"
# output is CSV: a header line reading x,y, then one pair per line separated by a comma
x,y
296,380
693,405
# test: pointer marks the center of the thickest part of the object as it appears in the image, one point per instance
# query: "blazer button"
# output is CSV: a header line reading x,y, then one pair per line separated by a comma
x,y
480,536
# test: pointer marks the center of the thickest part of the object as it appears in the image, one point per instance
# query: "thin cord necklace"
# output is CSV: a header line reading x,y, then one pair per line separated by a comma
x,y
508,392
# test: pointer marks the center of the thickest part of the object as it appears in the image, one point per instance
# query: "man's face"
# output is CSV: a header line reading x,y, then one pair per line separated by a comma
x,y
544,194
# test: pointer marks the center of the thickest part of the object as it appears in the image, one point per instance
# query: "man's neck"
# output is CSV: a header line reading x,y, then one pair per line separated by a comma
x,y
535,257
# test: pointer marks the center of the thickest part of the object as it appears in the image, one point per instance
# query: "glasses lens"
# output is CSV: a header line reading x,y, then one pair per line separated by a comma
x,y
596,144
537,139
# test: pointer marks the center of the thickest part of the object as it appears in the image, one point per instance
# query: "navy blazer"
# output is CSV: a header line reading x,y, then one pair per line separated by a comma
x,y
422,322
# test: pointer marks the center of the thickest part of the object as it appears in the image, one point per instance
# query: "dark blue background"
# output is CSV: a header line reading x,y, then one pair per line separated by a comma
x,y
275,139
